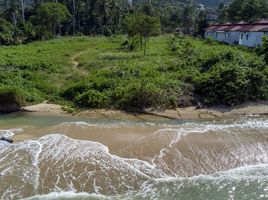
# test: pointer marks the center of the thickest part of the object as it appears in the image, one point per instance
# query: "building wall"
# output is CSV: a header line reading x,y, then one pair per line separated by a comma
x,y
251,39
210,34
232,37
228,37
220,36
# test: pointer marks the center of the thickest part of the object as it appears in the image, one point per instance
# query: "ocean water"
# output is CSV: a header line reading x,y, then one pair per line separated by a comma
x,y
68,158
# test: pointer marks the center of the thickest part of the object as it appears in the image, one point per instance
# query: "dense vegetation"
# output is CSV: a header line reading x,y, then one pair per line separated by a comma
x,y
177,71
243,10
25,21
132,72
209,3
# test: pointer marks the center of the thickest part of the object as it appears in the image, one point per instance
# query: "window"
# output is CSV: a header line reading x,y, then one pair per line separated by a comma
x,y
242,35
247,36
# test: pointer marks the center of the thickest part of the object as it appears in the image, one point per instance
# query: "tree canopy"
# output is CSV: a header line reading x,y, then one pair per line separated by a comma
x,y
48,16
143,26
246,10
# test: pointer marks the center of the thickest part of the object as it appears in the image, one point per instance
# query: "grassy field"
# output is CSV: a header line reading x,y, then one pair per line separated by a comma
x,y
40,69
176,72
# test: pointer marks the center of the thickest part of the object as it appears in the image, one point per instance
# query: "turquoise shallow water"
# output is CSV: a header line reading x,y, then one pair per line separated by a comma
x,y
182,160
22,119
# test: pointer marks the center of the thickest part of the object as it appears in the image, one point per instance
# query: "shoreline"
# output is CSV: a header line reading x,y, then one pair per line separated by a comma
x,y
187,113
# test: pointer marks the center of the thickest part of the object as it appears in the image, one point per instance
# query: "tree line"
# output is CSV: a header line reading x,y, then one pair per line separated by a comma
x,y
29,20
24,20
243,10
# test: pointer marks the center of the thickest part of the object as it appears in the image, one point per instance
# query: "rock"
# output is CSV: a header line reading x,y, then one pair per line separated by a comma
x,y
7,108
199,105
6,140
10,100
186,100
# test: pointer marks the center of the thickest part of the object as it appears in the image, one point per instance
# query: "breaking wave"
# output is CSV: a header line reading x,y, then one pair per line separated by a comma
x,y
204,160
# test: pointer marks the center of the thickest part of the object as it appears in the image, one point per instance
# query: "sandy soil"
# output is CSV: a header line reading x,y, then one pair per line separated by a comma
x,y
251,108
44,108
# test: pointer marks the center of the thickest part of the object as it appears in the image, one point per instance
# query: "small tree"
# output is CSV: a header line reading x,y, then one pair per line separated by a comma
x,y
264,48
144,26
48,16
147,26
6,32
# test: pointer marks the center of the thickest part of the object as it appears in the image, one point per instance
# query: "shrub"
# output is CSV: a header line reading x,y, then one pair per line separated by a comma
x,y
137,96
264,48
92,99
231,85
6,32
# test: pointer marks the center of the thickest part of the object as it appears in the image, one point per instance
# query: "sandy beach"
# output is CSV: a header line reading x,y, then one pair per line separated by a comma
x,y
250,108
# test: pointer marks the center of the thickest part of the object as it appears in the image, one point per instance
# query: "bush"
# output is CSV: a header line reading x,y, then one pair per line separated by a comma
x,y
92,99
264,49
231,85
140,95
6,32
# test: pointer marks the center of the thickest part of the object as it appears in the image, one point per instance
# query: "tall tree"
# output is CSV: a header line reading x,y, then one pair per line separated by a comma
x,y
22,10
222,12
74,16
188,17
48,16
143,26
251,10
247,10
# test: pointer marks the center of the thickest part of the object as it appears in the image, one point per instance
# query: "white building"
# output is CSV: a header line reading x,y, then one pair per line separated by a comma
x,y
241,33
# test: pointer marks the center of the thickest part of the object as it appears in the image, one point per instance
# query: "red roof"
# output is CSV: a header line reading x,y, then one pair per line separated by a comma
x,y
263,21
260,26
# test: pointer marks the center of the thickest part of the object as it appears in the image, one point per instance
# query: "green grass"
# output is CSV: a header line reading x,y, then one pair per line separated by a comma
x,y
40,68
111,77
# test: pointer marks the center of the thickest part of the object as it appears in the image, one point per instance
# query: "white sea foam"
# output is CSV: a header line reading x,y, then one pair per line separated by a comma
x,y
66,195
76,165
170,187
8,134
100,124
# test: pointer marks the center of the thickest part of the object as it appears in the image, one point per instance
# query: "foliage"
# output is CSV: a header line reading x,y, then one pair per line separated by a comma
x,y
25,30
231,85
6,32
38,19
108,77
247,10
40,68
48,16
264,48
10,98
143,26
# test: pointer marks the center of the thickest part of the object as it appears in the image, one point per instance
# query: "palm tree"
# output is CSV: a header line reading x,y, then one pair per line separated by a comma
x,y
22,10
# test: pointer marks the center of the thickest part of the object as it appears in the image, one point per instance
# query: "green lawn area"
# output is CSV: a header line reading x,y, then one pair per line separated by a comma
x,y
176,71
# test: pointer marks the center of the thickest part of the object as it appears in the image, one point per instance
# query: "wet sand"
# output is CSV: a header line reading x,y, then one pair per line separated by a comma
x,y
94,153
117,138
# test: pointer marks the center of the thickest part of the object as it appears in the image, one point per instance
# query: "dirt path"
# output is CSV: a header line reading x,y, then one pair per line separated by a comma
x,y
75,63
74,57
